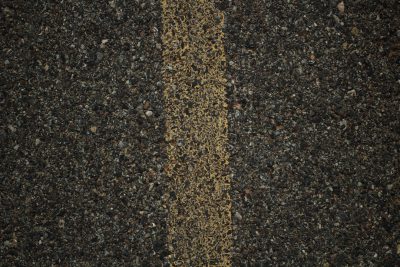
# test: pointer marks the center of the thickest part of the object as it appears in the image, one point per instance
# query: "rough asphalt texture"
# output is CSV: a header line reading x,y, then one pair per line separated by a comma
x,y
314,129
81,168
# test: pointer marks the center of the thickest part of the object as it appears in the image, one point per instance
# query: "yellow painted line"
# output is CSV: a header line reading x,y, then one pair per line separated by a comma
x,y
199,219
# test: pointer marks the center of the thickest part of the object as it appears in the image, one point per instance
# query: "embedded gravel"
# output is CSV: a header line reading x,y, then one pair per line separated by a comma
x,y
81,134
314,131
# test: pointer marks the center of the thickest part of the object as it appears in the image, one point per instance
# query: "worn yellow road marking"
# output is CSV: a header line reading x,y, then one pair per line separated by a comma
x,y
199,220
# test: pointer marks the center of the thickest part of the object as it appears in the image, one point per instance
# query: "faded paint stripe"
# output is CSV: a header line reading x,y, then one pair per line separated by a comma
x,y
199,220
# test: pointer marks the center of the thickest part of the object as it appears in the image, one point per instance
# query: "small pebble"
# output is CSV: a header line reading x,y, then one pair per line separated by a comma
x,y
355,31
121,144
61,223
340,7
103,43
151,185
93,129
12,128
180,142
112,3
149,113
352,93
37,141
146,105
238,216
337,20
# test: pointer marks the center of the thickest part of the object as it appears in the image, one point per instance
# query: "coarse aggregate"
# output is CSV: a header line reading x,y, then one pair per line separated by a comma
x,y
313,94
82,145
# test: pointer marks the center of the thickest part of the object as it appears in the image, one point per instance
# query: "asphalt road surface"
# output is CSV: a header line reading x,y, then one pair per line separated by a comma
x,y
200,133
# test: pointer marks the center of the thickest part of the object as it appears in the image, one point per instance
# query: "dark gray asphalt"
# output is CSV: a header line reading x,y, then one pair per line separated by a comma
x,y
314,131
81,169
